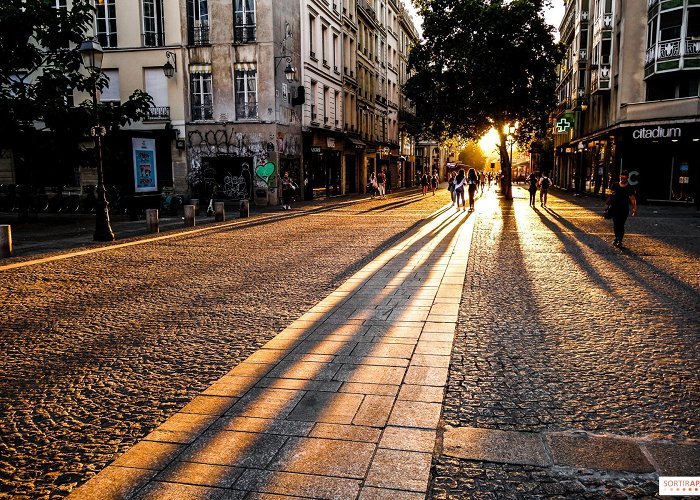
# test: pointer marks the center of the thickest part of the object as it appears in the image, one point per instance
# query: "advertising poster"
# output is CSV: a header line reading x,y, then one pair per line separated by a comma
x,y
144,165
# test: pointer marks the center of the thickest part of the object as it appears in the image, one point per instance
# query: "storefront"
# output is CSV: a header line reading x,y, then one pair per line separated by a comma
x,y
323,165
663,160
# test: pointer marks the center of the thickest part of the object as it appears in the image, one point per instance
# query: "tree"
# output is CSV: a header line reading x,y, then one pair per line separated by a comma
x,y
483,64
40,67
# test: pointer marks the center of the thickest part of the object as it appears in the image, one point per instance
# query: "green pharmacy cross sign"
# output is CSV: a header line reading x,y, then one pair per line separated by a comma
x,y
565,124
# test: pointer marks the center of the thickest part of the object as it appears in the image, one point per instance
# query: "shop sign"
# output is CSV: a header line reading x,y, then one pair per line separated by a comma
x,y
657,133
144,165
684,180
633,178
330,142
315,149
564,124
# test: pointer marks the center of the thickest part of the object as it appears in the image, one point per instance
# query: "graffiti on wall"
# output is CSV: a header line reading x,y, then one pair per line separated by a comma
x,y
266,173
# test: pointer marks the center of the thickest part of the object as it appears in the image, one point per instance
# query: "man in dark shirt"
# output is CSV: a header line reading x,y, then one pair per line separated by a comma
x,y
621,196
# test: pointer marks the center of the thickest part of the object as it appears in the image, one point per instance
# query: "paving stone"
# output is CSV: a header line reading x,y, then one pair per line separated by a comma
x,y
235,449
415,414
266,356
167,491
489,445
323,346
230,386
114,482
216,476
439,327
246,369
369,493
374,411
299,384
209,405
337,408
376,349
149,455
346,432
304,370
422,375
371,360
327,457
265,425
435,348
407,439
376,389
304,485
404,470
594,452
675,459
430,360
371,374
266,403
181,428
425,393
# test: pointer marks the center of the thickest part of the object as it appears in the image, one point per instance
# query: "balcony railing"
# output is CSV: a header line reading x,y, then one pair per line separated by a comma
x,y
244,33
159,113
692,47
202,112
669,49
365,6
199,35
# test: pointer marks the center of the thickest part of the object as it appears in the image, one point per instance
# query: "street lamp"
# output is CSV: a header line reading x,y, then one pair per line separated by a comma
x,y
170,68
91,52
509,176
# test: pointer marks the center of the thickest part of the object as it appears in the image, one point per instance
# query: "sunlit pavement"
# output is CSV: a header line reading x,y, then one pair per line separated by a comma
x,y
344,401
575,369
573,372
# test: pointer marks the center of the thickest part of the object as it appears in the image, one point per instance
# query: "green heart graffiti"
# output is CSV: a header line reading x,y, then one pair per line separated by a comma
x,y
266,171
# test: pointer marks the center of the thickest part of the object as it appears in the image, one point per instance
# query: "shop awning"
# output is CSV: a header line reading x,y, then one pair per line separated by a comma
x,y
357,143
200,68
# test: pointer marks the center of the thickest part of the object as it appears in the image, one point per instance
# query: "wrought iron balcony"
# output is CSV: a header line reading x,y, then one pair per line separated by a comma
x,y
153,39
199,34
244,33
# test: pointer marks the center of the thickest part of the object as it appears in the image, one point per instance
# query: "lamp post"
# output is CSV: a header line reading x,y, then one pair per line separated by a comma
x,y
509,177
92,53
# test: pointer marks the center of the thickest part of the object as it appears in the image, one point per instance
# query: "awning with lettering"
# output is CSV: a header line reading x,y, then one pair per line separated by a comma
x,y
200,68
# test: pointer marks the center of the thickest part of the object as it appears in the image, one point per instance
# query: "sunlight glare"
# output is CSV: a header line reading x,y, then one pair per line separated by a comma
x,y
489,141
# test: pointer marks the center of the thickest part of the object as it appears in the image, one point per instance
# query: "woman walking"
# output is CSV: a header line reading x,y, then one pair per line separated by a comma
x,y
434,182
288,188
424,183
372,185
451,186
532,179
621,196
473,183
460,180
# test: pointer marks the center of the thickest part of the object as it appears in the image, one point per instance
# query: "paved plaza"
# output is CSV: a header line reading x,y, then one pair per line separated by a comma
x,y
361,349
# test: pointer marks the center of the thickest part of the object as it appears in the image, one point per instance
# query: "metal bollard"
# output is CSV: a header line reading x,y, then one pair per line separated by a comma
x,y
152,221
219,211
189,215
244,209
5,241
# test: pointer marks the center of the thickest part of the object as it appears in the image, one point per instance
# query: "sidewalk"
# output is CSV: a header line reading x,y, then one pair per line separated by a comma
x,y
344,401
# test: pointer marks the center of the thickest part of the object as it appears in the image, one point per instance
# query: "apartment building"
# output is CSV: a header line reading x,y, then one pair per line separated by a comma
x,y
322,119
629,97
244,110
407,38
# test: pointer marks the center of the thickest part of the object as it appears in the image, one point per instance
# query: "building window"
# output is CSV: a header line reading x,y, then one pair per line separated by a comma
x,y
202,102
157,88
246,93
670,25
312,100
244,21
106,17
111,92
153,23
693,28
198,22
324,35
312,29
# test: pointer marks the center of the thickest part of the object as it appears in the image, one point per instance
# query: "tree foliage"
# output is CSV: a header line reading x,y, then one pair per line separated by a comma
x,y
483,64
40,67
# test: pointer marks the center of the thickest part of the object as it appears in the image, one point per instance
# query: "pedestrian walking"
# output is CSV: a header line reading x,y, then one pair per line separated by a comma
x,y
532,179
424,183
288,188
388,181
372,185
622,195
472,183
381,183
544,184
434,182
460,181
482,181
451,186
490,179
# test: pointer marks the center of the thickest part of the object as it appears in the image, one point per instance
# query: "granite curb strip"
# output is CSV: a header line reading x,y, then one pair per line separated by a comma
x,y
344,402
575,449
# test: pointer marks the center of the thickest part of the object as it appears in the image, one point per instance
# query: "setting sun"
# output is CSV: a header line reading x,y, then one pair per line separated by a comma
x,y
489,141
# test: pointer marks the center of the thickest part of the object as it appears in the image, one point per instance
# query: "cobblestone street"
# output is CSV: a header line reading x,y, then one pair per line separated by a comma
x,y
561,337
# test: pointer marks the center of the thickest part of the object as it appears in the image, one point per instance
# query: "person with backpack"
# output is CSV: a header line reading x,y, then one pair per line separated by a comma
x,y
622,195
544,183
